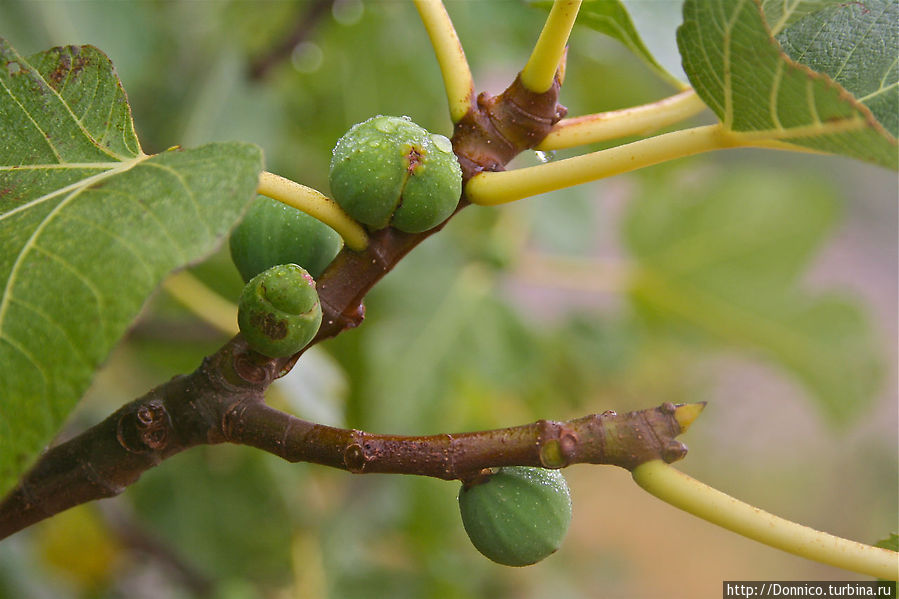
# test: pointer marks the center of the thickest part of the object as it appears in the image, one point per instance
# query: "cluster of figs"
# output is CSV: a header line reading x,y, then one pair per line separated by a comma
x,y
385,172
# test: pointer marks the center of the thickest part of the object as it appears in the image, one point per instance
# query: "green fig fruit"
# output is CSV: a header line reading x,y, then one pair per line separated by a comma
x,y
279,312
273,233
388,171
518,515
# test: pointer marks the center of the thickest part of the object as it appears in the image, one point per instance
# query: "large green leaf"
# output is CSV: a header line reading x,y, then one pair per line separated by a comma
x,y
741,72
89,226
724,264
856,45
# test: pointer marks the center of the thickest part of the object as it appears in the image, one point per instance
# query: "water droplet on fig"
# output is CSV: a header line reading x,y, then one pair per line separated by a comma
x,y
385,126
443,144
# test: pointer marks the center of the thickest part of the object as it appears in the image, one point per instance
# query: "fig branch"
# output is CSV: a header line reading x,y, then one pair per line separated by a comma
x,y
216,404
209,405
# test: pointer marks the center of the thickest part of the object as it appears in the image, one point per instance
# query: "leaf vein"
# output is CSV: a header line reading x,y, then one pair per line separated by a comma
x,y
188,191
98,295
30,244
33,122
120,167
859,40
775,92
120,240
37,365
75,119
78,350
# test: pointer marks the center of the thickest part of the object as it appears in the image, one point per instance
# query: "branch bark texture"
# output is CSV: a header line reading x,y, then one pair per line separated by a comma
x,y
214,404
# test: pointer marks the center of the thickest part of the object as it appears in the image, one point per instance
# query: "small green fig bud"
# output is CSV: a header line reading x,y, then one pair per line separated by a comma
x,y
390,171
273,233
518,515
279,311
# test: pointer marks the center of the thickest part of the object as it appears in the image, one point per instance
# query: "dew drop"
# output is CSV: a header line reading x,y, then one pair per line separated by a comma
x,y
443,144
385,126
545,156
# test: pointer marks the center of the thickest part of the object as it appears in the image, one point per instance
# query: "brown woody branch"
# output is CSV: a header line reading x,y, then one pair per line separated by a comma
x,y
625,440
215,405
222,401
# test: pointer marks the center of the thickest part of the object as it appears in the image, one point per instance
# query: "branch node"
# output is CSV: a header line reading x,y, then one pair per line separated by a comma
x,y
232,420
144,429
501,127
673,451
252,367
354,458
558,444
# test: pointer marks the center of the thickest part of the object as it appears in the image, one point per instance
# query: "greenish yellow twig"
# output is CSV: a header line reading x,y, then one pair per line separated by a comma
x,y
491,188
315,204
194,295
537,75
638,120
450,56
688,494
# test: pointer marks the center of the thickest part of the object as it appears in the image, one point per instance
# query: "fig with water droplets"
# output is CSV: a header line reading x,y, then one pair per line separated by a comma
x,y
388,171
517,515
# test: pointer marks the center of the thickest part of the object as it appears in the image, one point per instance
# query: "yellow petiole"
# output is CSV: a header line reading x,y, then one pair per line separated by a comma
x,y
315,204
205,303
688,494
491,188
638,120
537,75
450,56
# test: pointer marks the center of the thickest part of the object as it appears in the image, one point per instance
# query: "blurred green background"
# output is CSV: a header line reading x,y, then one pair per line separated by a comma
x,y
764,283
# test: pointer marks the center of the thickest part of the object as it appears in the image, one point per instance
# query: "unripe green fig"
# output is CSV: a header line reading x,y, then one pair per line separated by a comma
x,y
273,233
279,311
390,171
518,515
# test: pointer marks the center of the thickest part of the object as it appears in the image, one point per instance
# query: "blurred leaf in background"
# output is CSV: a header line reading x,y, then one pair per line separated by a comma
x,y
724,261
